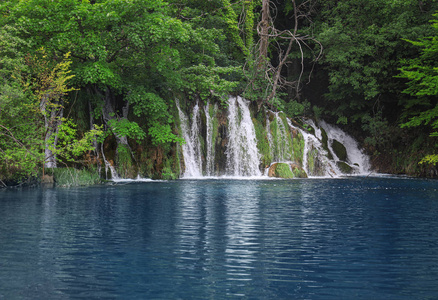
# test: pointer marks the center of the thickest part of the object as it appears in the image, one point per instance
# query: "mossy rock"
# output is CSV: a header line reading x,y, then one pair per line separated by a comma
x,y
280,170
339,150
324,138
298,171
262,143
344,167
325,143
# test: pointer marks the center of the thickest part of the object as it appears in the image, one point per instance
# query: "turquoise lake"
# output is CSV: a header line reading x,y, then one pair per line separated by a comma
x,y
347,238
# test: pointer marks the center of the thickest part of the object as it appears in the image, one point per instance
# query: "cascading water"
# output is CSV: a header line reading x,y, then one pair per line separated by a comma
x,y
269,135
314,152
243,158
353,155
315,158
192,147
209,168
283,143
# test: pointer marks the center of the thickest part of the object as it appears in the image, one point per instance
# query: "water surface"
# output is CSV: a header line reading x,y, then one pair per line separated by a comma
x,y
355,238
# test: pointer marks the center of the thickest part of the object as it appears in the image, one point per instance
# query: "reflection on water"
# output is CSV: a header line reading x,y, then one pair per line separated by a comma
x,y
301,239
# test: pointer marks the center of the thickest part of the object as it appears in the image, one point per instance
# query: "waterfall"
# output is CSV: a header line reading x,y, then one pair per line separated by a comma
x,y
114,175
192,147
354,156
269,135
315,158
283,143
209,119
243,158
318,150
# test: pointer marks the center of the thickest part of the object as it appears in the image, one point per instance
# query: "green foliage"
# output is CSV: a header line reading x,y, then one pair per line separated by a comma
x,y
430,159
68,146
422,75
297,109
125,128
362,46
21,127
158,118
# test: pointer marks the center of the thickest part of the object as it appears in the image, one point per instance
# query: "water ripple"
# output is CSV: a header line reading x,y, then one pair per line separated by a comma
x,y
350,238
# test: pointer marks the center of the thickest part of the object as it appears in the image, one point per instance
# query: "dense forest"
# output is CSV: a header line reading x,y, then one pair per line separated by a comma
x,y
87,81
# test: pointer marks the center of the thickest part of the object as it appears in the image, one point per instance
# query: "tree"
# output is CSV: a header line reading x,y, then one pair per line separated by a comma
x,y
283,41
362,47
20,130
133,56
421,72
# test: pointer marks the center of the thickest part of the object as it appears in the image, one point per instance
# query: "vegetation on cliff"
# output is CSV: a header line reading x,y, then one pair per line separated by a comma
x,y
91,83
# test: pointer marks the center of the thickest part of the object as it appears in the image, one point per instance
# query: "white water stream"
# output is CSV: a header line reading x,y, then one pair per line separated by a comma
x,y
242,156
192,147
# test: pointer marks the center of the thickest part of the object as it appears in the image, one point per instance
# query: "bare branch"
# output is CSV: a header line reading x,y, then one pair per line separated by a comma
x,y
268,33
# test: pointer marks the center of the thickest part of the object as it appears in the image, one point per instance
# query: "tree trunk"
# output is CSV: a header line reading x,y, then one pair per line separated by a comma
x,y
52,120
264,30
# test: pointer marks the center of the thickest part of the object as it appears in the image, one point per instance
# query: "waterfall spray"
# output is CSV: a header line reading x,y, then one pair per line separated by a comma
x,y
243,158
192,147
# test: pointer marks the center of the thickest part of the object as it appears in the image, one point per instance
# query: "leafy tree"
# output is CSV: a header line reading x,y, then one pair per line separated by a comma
x,y
421,72
362,47
20,131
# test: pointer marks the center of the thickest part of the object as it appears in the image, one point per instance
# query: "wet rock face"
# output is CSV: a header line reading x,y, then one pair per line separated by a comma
x,y
344,167
236,141
340,150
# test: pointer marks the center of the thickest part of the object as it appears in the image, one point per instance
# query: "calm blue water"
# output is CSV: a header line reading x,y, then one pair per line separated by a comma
x,y
357,238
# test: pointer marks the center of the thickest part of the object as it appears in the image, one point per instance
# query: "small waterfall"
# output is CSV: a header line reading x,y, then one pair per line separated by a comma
x,y
283,143
209,168
354,156
108,166
319,161
323,150
192,147
269,135
243,158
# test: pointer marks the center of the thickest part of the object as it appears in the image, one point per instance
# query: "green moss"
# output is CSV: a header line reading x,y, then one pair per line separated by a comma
x,y
286,142
168,172
274,134
298,148
299,172
283,170
67,177
339,150
262,143
261,117
125,167
311,161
